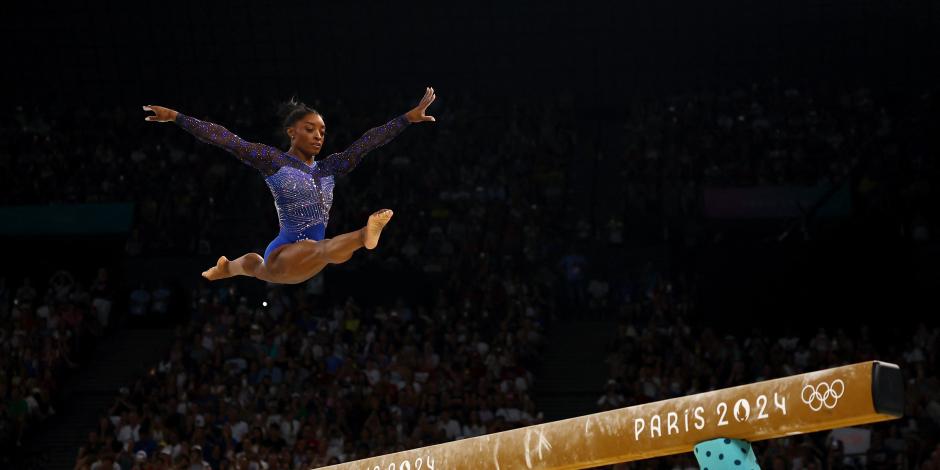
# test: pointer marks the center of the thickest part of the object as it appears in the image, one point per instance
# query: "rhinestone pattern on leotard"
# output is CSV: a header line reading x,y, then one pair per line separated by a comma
x,y
303,194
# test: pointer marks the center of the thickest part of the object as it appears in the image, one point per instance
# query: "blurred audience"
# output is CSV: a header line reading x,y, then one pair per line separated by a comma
x,y
494,209
285,386
44,327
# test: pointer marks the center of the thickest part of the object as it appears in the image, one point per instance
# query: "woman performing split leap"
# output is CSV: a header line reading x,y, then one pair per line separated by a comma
x,y
302,189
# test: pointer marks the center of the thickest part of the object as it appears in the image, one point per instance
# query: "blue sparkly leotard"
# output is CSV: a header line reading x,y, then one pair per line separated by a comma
x,y
303,194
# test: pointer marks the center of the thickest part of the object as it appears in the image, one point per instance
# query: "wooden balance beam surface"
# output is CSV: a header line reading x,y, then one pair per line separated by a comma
x,y
843,396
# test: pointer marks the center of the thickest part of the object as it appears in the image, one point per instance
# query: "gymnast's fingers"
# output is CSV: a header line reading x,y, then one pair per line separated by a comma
x,y
424,105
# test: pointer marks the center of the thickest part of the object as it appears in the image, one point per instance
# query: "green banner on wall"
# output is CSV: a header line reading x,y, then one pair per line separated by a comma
x,y
66,219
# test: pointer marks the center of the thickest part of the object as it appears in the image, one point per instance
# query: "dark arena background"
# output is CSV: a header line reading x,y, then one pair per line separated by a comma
x,y
619,202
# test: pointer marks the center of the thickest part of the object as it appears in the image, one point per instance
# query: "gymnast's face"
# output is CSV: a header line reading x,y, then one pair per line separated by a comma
x,y
308,134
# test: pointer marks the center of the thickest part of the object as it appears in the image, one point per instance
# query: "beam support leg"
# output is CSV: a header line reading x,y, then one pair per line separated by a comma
x,y
726,454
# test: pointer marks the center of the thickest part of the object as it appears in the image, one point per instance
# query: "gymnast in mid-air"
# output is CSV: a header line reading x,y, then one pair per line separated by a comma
x,y
302,188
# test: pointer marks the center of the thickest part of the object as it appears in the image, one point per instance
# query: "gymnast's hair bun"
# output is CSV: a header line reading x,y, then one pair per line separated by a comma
x,y
292,111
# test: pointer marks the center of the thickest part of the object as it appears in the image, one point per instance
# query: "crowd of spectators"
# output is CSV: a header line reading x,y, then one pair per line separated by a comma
x,y
283,385
664,350
192,198
44,328
654,164
296,382
653,159
150,304
491,202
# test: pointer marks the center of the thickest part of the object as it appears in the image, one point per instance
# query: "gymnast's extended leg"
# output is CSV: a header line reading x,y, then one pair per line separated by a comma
x,y
251,264
300,261
297,262
340,248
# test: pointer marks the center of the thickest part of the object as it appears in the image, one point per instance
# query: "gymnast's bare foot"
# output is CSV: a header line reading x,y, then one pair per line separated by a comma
x,y
373,228
219,271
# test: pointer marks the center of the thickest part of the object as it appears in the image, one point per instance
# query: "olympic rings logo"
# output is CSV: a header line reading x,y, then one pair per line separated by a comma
x,y
823,394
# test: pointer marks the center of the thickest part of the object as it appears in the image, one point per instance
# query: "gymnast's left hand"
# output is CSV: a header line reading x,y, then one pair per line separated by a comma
x,y
417,114
160,114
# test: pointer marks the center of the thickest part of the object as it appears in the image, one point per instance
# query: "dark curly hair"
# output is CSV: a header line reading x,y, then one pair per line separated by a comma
x,y
293,111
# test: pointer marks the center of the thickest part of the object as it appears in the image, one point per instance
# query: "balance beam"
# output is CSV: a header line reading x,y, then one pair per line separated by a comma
x,y
850,395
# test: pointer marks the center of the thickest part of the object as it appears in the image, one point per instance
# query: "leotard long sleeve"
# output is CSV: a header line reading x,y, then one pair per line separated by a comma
x,y
303,194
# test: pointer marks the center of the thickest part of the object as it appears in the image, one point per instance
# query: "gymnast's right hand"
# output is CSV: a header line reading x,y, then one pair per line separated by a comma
x,y
161,114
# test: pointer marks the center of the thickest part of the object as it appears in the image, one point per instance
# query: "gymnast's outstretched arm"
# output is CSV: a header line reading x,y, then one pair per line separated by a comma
x,y
343,162
260,156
